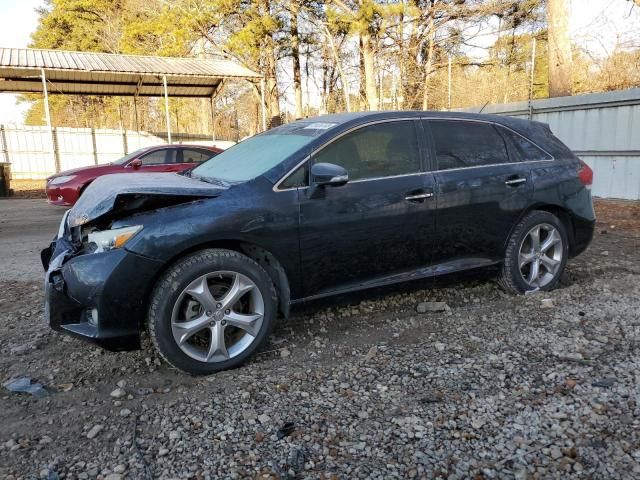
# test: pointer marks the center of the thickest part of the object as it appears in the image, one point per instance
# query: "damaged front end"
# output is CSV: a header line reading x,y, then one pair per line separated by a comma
x,y
94,287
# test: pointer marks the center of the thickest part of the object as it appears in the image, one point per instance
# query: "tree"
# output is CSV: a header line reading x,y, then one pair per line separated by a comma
x,y
360,54
366,19
559,48
294,10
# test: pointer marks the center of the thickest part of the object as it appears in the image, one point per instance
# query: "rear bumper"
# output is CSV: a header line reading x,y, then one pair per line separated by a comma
x,y
99,297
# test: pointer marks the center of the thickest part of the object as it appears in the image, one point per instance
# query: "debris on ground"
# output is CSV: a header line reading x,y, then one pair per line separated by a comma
x,y
24,385
546,303
428,307
286,430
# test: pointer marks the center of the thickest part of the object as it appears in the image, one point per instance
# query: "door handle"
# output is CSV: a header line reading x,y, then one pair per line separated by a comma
x,y
515,181
417,197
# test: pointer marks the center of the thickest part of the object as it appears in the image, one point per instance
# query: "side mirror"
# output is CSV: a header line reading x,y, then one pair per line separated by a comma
x,y
328,174
136,164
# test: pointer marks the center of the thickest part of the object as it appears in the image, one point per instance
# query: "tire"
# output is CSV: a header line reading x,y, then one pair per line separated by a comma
x,y
202,333
522,255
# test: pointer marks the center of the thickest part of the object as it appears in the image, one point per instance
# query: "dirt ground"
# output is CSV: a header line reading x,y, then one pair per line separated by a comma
x,y
539,386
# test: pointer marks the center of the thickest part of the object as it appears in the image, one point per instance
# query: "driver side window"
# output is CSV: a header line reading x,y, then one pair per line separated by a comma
x,y
381,150
159,157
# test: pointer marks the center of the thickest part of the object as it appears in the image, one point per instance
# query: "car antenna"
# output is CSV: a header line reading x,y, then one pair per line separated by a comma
x,y
484,106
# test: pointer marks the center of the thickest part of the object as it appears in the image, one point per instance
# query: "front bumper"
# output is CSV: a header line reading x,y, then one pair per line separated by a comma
x,y
62,195
100,297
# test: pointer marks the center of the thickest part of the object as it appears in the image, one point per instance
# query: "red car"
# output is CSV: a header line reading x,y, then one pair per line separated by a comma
x,y
65,188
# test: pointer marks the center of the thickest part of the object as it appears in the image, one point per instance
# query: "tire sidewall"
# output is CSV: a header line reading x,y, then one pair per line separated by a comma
x,y
536,218
178,278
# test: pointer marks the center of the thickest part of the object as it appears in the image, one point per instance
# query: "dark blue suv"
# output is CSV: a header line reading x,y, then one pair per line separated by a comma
x,y
207,260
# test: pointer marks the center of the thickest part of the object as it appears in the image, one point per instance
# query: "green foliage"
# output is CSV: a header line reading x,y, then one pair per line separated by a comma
x,y
78,25
410,42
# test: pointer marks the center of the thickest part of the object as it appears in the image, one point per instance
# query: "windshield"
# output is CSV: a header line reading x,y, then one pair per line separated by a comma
x,y
126,158
252,157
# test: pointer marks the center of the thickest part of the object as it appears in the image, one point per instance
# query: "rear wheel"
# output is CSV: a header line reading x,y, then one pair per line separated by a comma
x,y
536,254
211,311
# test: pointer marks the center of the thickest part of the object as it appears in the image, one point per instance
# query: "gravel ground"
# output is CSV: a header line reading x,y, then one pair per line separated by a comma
x,y
494,386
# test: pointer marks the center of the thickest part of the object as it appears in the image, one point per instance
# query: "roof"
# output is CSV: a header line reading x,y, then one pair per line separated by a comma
x,y
350,119
109,74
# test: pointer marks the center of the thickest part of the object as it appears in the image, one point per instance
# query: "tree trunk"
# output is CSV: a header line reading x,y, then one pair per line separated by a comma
x,y
325,81
336,59
362,91
559,48
402,64
295,53
272,96
428,69
369,71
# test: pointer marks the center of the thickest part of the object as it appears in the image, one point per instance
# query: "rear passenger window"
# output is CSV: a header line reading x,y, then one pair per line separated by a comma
x,y
191,155
524,150
461,144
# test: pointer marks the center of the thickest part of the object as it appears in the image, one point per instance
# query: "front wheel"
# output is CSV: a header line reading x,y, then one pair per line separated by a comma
x,y
211,311
536,254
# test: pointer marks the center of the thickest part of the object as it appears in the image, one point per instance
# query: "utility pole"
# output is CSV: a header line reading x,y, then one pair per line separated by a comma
x,y
533,70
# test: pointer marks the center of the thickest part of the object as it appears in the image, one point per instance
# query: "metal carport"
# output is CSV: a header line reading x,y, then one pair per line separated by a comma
x,y
25,70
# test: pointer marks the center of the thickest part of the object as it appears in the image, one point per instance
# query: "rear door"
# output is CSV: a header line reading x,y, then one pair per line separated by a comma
x,y
381,222
482,190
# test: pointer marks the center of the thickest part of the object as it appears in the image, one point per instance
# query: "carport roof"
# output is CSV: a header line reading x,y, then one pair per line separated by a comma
x,y
88,73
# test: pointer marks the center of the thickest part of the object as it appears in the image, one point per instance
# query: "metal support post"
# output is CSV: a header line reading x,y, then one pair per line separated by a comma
x,y
47,115
166,107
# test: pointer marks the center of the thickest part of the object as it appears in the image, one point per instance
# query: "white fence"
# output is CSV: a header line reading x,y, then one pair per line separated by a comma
x,y
34,153
601,128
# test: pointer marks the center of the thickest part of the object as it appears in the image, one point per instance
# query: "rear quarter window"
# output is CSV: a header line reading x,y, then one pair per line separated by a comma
x,y
523,149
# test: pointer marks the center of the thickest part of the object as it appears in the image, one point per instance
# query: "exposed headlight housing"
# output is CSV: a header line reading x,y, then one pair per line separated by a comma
x,y
61,179
109,239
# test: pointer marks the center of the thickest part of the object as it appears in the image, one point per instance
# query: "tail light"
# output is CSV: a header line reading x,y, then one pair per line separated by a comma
x,y
585,174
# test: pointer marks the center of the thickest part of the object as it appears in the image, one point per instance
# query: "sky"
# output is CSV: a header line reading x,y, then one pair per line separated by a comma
x,y
18,19
597,24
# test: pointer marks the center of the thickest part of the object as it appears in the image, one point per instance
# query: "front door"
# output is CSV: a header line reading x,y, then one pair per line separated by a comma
x,y
482,191
381,222
161,160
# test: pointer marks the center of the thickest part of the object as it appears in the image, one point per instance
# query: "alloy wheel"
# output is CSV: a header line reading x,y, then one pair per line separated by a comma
x,y
540,255
217,316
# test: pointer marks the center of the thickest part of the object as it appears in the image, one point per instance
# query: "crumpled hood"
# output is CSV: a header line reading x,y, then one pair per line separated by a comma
x,y
101,195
